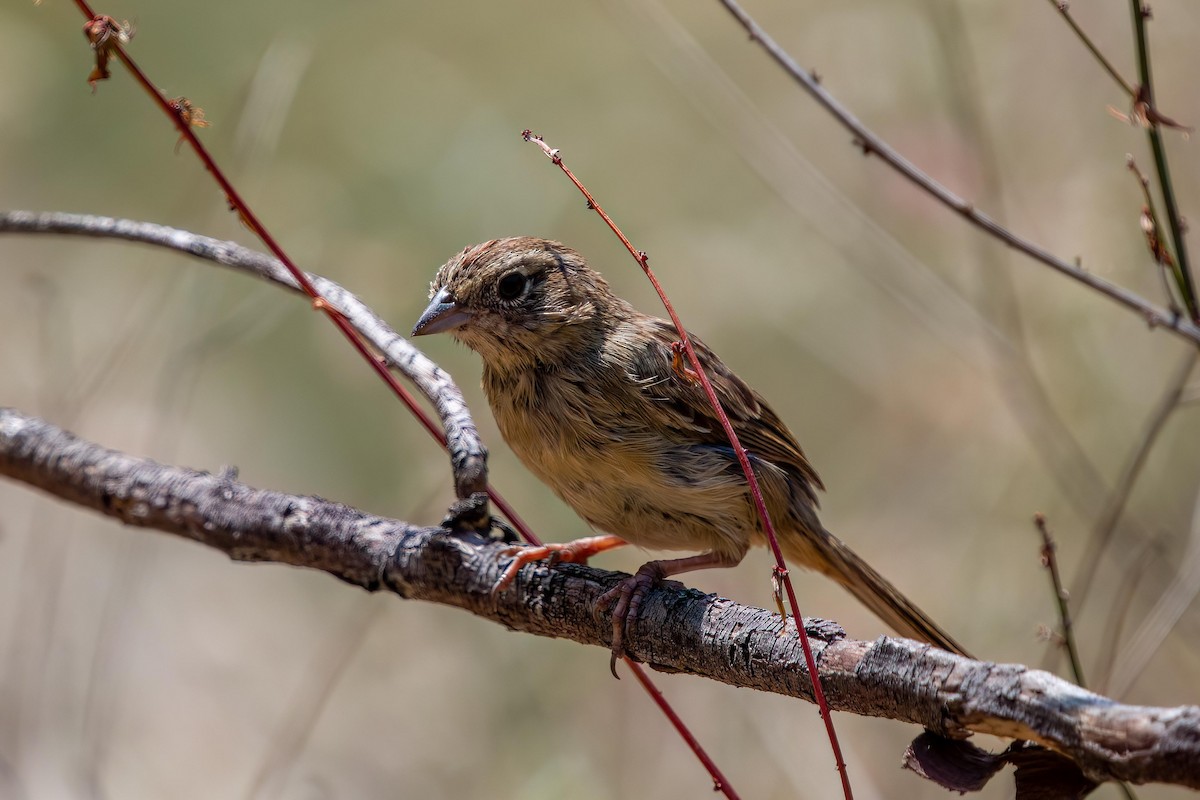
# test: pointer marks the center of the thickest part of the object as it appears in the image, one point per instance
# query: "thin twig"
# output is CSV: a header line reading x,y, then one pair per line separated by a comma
x,y
1050,562
458,431
1152,228
1019,382
1145,94
780,576
182,116
871,144
1064,10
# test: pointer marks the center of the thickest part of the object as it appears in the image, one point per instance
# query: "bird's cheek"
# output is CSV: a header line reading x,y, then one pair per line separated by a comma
x,y
481,339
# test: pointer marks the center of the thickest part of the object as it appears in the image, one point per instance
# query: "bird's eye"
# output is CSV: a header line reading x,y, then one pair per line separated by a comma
x,y
512,285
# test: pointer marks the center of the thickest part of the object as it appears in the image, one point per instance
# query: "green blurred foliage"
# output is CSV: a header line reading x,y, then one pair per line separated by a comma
x,y
375,140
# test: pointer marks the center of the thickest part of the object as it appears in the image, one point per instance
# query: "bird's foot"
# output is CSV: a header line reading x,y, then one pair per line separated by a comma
x,y
625,599
574,552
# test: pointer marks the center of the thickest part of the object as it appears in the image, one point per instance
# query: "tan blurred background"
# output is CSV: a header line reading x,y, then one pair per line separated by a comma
x,y
376,139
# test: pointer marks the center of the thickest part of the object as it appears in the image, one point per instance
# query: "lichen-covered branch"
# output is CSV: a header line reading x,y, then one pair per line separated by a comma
x,y
681,630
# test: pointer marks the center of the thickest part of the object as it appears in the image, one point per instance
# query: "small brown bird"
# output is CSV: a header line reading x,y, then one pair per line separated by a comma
x,y
591,396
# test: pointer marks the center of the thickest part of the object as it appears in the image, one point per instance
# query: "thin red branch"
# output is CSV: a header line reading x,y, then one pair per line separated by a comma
x,y
182,117
179,115
781,570
720,784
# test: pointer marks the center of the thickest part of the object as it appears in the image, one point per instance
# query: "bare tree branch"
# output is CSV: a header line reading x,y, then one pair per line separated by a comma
x,y
682,630
468,456
870,144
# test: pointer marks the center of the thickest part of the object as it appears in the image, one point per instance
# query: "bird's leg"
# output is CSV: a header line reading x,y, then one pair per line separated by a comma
x,y
630,592
576,552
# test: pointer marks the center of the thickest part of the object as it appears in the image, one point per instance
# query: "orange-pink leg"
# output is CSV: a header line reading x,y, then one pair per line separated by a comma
x,y
630,592
576,552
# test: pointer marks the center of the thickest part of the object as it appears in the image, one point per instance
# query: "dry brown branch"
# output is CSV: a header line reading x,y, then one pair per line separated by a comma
x,y
870,144
684,630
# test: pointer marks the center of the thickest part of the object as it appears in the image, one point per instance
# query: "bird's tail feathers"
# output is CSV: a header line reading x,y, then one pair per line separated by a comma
x,y
870,588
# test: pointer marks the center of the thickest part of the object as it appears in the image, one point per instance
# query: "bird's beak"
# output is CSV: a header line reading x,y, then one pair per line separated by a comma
x,y
442,314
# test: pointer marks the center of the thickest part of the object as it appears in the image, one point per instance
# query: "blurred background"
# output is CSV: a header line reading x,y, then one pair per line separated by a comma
x,y
945,388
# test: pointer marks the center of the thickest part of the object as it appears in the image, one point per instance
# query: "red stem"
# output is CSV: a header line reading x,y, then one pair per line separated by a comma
x,y
251,221
760,505
719,783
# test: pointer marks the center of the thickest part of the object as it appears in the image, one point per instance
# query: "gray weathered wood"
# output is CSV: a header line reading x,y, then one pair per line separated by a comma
x,y
683,630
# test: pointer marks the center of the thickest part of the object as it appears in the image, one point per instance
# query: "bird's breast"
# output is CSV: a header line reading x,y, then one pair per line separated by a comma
x,y
566,428
589,441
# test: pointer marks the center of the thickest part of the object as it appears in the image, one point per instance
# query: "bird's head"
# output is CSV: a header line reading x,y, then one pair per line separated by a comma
x,y
518,300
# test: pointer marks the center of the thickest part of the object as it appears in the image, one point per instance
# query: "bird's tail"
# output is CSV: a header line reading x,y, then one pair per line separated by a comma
x,y
826,553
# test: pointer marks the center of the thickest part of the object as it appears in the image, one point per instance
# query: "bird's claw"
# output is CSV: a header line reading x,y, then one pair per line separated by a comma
x,y
521,555
626,599
576,551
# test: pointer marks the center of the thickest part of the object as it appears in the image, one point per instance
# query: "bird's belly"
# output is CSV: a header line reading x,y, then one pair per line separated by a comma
x,y
621,487
587,443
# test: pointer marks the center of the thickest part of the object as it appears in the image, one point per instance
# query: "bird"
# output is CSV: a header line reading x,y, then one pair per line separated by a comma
x,y
592,396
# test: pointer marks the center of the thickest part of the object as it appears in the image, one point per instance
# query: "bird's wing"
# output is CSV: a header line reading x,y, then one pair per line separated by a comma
x,y
668,379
